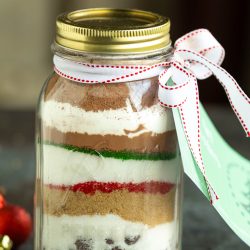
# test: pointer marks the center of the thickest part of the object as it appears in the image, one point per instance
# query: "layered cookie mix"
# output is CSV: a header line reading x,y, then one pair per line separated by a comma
x,y
110,167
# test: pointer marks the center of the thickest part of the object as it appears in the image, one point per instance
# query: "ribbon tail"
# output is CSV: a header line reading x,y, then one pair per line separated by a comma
x,y
238,99
190,116
184,95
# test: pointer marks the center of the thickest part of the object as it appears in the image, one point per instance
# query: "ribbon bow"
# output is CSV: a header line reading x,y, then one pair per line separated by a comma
x,y
197,55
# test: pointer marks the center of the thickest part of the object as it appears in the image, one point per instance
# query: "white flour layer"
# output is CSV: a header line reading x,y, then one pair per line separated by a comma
x,y
62,166
67,118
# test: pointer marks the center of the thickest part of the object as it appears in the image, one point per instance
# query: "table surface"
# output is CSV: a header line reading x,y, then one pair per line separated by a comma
x,y
17,170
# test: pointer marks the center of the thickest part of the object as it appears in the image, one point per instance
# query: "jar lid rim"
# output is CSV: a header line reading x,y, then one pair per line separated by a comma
x,y
109,30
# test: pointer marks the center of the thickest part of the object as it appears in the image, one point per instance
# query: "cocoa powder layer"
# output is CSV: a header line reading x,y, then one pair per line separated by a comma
x,y
150,209
144,143
99,97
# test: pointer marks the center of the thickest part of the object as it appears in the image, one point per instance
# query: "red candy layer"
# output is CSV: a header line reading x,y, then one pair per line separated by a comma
x,y
108,187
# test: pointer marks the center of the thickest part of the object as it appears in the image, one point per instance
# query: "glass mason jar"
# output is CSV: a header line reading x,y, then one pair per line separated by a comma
x,y
109,174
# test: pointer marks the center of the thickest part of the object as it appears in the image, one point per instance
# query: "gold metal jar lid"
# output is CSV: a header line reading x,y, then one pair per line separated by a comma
x,y
113,31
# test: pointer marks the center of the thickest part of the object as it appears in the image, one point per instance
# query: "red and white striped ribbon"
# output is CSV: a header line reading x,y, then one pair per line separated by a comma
x,y
197,55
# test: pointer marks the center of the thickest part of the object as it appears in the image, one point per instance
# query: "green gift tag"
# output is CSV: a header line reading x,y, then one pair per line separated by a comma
x,y
227,172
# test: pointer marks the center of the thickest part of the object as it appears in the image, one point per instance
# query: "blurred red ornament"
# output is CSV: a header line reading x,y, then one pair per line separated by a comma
x,y
15,222
2,201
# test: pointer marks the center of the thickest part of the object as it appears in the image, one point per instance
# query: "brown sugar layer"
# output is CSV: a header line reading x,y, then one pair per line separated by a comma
x,y
144,143
150,209
99,97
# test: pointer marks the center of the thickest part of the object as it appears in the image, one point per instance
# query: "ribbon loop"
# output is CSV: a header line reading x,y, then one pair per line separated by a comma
x,y
238,99
204,43
172,96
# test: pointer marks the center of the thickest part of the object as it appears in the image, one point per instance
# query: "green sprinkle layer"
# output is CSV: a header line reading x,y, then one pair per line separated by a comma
x,y
123,155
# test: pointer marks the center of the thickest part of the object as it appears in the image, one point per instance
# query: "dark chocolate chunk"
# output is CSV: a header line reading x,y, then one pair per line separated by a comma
x,y
131,240
84,244
117,248
109,241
